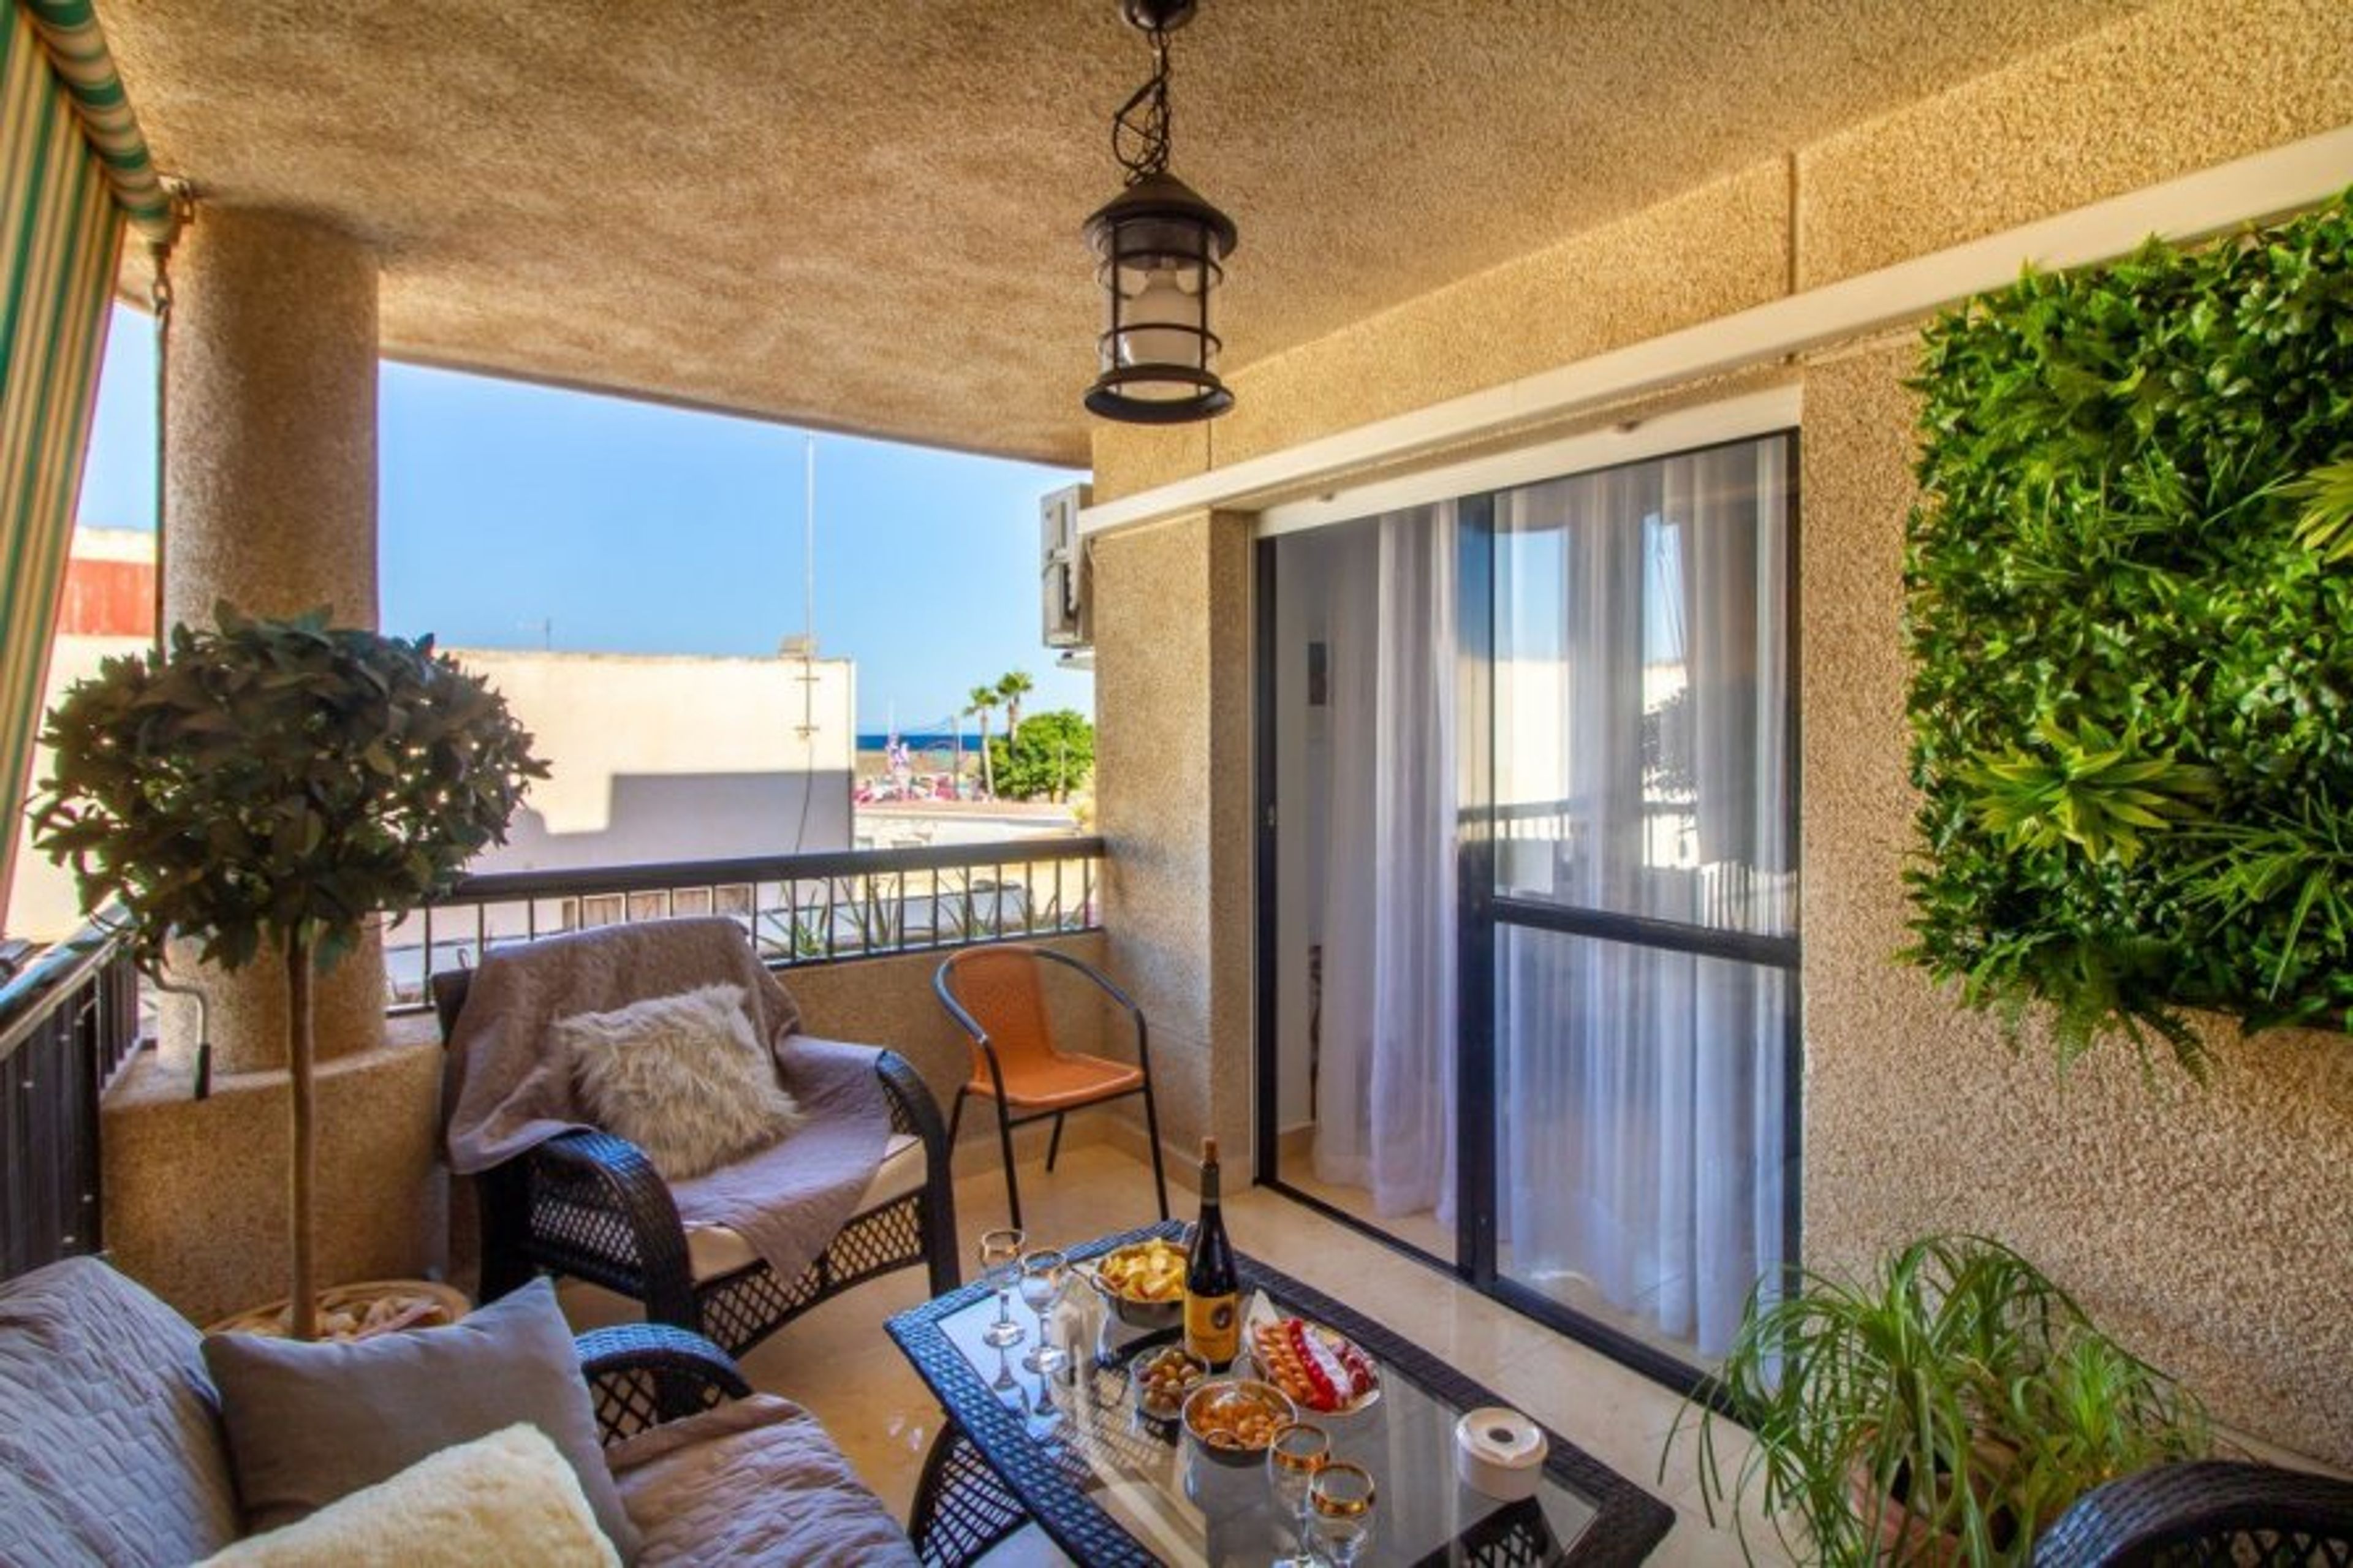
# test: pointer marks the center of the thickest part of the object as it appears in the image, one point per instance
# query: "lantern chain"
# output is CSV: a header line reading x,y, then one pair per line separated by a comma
x,y
1140,132
161,299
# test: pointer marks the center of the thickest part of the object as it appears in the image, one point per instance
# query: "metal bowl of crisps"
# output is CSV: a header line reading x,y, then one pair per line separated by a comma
x,y
1233,1419
1144,1282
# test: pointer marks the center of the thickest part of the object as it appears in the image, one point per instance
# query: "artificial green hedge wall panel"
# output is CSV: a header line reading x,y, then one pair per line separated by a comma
x,y
2129,583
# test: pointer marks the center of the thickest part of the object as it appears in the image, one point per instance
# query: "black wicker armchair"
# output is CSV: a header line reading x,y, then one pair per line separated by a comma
x,y
590,1205
2212,1511
643,1375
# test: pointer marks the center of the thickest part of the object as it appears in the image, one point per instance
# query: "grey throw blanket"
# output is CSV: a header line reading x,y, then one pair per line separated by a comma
x,y
509,1090
754,1481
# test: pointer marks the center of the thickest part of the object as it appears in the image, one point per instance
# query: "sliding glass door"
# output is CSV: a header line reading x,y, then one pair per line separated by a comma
x,y
1532,939
1645,891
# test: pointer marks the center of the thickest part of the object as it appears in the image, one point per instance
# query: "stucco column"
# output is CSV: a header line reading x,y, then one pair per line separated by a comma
x,y
270,503
1172,758
270,420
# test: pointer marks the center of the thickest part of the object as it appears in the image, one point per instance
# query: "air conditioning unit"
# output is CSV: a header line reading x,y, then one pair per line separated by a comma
x,y
1065,578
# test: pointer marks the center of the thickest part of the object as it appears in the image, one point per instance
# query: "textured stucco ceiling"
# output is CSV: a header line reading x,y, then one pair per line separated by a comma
x,y
863,214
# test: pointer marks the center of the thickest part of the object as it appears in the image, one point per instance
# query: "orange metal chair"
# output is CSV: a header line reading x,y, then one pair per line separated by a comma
x,y
997,995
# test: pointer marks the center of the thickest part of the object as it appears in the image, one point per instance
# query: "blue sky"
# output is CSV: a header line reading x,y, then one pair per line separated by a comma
x,y
629,527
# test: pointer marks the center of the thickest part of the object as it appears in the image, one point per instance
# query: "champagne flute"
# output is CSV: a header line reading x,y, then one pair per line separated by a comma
x,y
1005,1383
1000,1265
1298,1451
1041,1282
1340,1511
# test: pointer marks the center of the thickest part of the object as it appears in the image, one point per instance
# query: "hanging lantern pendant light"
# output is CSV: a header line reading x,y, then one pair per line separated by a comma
x,y
1159,250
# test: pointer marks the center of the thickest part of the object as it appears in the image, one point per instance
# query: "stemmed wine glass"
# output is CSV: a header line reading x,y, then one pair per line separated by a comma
x,y
1042,1281
1340,1512
1000,1265
1298,1451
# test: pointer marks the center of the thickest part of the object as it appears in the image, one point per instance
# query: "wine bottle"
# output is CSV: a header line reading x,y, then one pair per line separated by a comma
x,y
1213,1329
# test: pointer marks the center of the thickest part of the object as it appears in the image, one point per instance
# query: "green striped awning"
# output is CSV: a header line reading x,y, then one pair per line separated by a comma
x,y
60,232
78,51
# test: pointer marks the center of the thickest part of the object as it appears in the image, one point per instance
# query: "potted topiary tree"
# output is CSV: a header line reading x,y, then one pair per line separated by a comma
x,y
264,789
1947,1409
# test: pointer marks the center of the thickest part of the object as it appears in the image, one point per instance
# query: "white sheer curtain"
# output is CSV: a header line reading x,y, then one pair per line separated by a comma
x,y
1385,1094
1643,693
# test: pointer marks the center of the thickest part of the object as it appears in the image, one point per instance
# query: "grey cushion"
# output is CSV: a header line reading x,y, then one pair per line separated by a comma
x,y
309,1424
110,1451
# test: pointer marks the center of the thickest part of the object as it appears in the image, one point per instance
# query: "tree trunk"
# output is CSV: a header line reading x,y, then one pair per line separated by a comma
x,y
304,1170
987,763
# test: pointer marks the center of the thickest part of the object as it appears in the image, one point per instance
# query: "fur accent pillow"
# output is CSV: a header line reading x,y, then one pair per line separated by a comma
x,y
683,1078
506,1497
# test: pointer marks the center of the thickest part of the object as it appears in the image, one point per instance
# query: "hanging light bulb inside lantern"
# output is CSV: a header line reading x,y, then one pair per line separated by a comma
x,y
1161,306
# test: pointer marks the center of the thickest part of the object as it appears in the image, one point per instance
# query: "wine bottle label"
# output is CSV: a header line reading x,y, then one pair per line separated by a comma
x,y
1213,1329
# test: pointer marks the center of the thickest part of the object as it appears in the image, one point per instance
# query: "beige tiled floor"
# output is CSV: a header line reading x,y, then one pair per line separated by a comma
x,y
1422,1230
839,1363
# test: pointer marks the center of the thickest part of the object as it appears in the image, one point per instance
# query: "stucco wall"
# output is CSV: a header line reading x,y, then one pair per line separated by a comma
x,y
2178,88
1173,803
2206,1227
658,757
195,1189
1706,254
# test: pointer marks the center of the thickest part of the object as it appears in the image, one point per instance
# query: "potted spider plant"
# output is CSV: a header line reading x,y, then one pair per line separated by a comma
x,y
1946,1409
267,787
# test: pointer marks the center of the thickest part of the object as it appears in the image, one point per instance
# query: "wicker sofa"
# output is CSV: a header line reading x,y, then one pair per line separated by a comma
x,y
111,1448
2211,1511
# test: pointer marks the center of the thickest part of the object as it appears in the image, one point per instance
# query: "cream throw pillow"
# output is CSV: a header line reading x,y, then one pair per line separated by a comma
x,y
683,1078
506,1497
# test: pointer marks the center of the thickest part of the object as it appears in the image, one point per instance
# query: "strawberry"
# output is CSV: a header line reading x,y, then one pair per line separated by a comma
x,y
1338,1374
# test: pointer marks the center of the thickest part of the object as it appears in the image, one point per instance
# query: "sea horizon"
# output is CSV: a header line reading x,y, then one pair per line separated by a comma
x,y
921,739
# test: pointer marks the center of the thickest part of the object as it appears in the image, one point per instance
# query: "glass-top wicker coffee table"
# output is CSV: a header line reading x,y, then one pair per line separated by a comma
x,y
1111,1488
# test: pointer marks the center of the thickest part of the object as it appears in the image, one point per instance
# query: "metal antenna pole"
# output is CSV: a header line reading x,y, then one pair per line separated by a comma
x,y
808,594
809,541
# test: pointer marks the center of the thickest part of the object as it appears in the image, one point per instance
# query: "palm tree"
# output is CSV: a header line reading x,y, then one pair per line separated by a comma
x,y
1013,688
983,702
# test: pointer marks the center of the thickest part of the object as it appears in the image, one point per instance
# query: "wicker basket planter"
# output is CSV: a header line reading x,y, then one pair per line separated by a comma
x,y
360,1311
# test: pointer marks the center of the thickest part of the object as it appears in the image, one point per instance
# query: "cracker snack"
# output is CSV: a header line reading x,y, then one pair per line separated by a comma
x,y
1318,1369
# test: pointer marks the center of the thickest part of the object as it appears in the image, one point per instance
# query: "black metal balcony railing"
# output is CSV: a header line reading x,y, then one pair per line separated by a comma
x,y
800,908
69,1024
70,1021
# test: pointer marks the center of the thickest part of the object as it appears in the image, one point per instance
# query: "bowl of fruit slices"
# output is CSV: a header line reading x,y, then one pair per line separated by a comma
x,y
1144,1282
1320,1370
